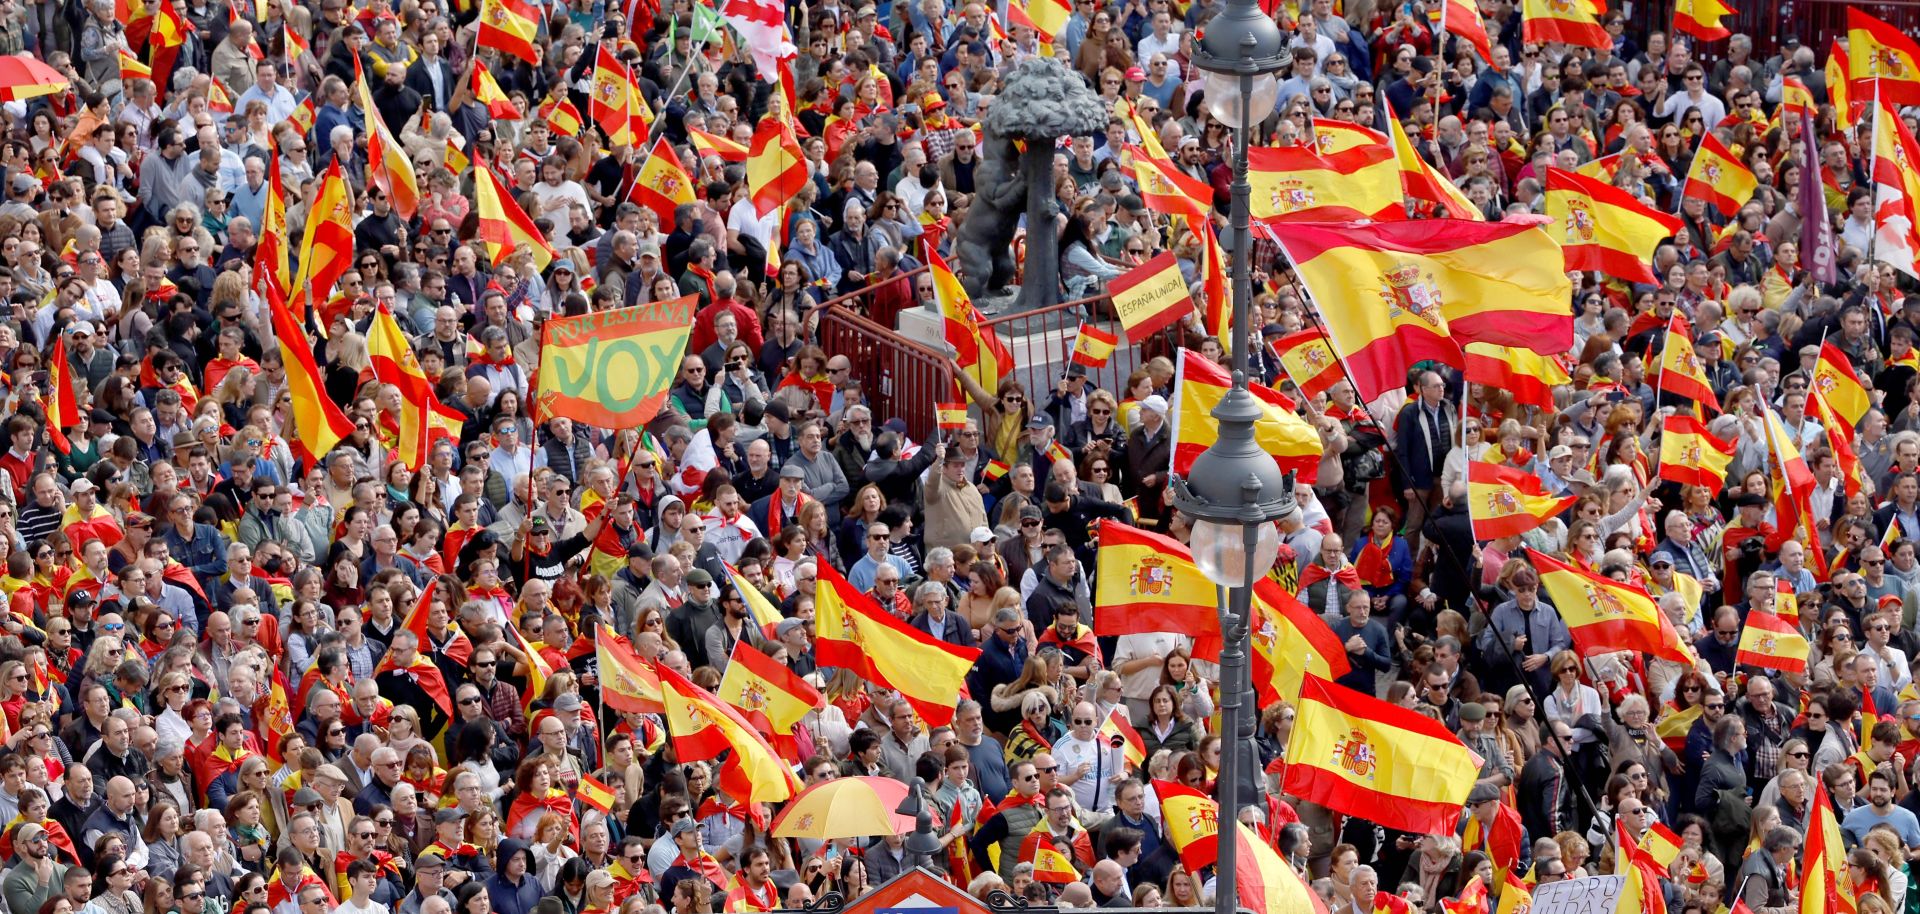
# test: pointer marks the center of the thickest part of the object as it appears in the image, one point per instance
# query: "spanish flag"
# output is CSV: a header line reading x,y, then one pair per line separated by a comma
x,y
1878,51
424,673
319,425
1565,21
1331,137
1193,823
1048,17
1604,228
756,682
1093,346
1295,183
1267,883
776,168
1501,840
855,632
1692,456
596,793
1167,189
1701,18
661,184
1792,485
1606,615
1528,376
704,726
977,350
1679,368
487,92
627,683
1200,385
1290,642
1719,178
950,416
1309,361
1117,726
326,246
1770,641
1146,582
764,613
1503,501
1673,728
708,144
1839,384
131,68
1426,284
503,224
1422,181
1826,886
64,405
1838,71
1462,20
1515,896
1662,845
608,105
388,165
1358,755
994,470
394,363
511,26
562,117
1785,604
1840,436
1387,903
1896,191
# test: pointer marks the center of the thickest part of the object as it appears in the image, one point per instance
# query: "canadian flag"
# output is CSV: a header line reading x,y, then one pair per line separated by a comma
x,y
762,24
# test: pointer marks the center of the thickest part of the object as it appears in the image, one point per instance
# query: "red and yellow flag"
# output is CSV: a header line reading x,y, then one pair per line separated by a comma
x,y
1503,501
1193,823
1430,283
487,92
1093,346
1566,21
1502,840
1692,456
561,116
1839,384
1661,844
757,682
319,425
1267,883
1147,582
1167,189
596,793
854,632
609,103
1674,727
1358,755
1826,885
707,144
1050,864
704,726
662,185
1719,177
326,247
1679,371
1200,385
1296,183
950,416
388,165
1896,191
1701,18
1604,228
1150,297
612,369
1528,376
511,26
503,224
1878,51
1606,615
1770,641
1463,21
1118,727
1421,180
977,349
394,363
776,168
131,68
1309,361
1838,71
63,408
1516,897
627,683
1282,628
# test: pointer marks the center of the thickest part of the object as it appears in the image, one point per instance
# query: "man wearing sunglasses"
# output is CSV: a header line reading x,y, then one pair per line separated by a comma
x,y
1015,820
37,876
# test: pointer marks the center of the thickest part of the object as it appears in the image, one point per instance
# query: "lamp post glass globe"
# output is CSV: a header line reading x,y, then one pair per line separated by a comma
x,y
1219,549
1223,98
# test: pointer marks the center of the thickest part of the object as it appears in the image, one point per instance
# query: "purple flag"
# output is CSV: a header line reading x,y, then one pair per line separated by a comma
x,y
1816,227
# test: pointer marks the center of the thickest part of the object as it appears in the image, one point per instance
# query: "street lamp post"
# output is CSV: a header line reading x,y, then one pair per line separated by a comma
x,y
1234,490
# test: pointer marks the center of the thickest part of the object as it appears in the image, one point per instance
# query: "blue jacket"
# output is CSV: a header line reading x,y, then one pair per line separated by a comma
x,y
511,897
205,554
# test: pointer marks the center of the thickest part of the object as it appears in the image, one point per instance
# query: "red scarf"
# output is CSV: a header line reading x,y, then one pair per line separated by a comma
x,y
1317,572
1034,734
775,512
485,358
706,276
706,866
1375,565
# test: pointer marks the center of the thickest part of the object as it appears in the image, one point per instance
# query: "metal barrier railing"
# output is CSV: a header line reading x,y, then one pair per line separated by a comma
x,y
898,376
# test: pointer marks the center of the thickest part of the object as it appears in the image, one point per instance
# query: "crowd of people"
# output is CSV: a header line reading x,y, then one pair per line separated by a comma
x,y
175,573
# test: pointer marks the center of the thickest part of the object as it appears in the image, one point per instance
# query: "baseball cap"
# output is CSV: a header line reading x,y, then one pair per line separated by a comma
x,y
1662,557
1155,403
1135,74
83,484
1040,420
981,535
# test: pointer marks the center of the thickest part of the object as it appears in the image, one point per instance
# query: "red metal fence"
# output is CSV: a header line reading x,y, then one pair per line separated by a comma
x,y
899,377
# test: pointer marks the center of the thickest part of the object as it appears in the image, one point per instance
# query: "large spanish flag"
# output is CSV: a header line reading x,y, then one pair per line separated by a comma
x,y
1772,642
627,683
1896,191
1839,384
1604,228
776,168
1290,642
704,726
1826,883
1266,881
388,165
1719,178
1147,582
1294,183
1394,293
1308,359
1792,490
1527,375
1701,18
1331,137
1503,501
1200,385
1167,189
318,422
1692,456
612,369
977,349
1565,21
1193,823
854,632
1358,755
1878,51
1661,844
757,682
1679,371
1606,615
1424,182
63,405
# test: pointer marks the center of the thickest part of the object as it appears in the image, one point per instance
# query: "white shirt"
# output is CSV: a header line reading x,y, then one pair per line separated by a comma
x,y
746,220
1094,790
730,538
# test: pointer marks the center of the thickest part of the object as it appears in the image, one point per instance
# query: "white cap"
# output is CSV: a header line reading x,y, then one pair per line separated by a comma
x,y
1155,403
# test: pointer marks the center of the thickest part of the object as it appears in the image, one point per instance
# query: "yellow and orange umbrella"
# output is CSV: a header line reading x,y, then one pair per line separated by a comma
x,y
845,808
23,77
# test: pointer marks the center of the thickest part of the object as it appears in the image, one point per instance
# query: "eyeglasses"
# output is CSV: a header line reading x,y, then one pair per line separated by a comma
x,y
1717,707
1048,770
